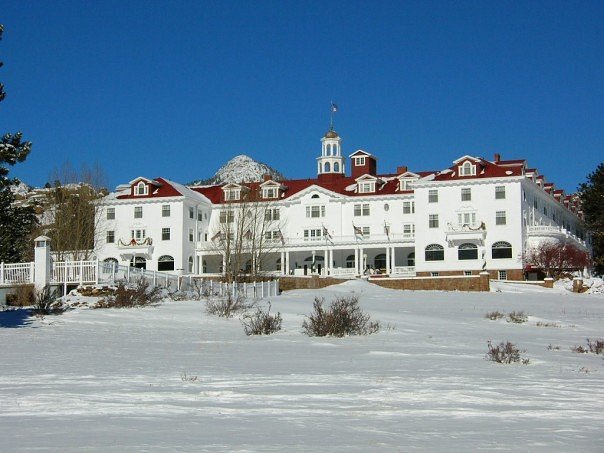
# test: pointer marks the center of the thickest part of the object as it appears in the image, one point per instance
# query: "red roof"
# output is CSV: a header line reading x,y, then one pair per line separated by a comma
x,y
159,187
484,169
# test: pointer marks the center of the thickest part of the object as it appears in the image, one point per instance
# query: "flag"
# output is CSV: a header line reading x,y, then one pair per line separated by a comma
x,y
357,230
326,233
387,230
217,236
334,107
281,237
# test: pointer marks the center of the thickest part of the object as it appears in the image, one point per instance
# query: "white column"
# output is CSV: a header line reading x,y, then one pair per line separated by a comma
x,y
42,260
287,262
388,260
200,263
283,263
326,262
356,260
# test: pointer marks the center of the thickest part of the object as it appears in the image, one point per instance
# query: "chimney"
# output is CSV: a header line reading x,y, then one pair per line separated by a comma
x,y
266,177
497,158
401,170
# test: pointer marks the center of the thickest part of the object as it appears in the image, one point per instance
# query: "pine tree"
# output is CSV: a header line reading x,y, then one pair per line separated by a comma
x,y
592,198
16,223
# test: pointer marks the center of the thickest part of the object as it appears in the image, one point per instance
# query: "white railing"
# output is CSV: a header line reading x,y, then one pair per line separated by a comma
x,y
343,272
74,272
552,230
111,273
252,290
404,271
16,273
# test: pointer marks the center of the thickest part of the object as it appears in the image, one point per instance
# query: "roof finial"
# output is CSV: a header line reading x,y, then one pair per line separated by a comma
x,y
332,110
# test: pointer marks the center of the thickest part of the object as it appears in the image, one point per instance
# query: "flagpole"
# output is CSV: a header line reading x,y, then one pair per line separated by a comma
x,y
331,116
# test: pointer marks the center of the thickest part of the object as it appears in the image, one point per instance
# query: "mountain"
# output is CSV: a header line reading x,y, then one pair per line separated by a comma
x,y
240,168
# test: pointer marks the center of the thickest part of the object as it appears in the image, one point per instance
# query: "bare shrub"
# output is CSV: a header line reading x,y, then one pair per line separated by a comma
x,y
343,317
186,377
261,322
505,353
580,349
550,347
24,296
595,345
226,307
517,317
46,303
547,324
131,296
494,315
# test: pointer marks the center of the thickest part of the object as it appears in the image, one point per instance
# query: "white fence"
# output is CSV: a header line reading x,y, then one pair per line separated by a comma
x,y
252,290
16,274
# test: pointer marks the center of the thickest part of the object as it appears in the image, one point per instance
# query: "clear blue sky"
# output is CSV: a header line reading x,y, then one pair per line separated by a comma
x,y
175,89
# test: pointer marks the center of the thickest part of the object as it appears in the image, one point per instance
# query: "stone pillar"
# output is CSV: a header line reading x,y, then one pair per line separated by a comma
x,y
577,284
42,262
548,282
484,281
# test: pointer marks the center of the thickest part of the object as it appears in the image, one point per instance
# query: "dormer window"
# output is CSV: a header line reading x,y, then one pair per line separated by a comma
x,y
141,189
406,184
367,186
467,169
359,161
269,192
232,194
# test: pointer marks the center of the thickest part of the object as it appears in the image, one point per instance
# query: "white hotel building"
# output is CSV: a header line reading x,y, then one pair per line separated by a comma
x,y
475,215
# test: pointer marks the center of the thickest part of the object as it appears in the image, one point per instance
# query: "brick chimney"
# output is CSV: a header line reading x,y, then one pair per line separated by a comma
x,y
497,158
401,170
266,177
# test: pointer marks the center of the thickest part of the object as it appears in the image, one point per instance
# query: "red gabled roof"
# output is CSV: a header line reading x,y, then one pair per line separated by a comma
x,y
159,187
484,169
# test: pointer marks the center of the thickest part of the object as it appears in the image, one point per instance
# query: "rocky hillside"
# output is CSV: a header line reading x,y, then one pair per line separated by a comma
x,y
240,168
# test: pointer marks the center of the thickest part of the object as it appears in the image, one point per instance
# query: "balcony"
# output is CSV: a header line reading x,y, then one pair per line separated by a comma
x,y
460,234
129,248
553,232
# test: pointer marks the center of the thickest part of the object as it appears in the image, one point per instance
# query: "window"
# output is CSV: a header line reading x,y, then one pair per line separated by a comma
x,y
110,237
535,204
467,252
408,207
165,263
434,274
138,212
366,187
409,230
466,194
327,167
110,213
109,265
433,221
366,231
467,169
406,184
361,209
500,192
269,192
411,259
190,267
165,234
191,212
315,211
232,194
500,218
502,275
435,252
501,250
199,216
313,234
467,273
433,196
466,218
359,161
138,234
227,216
336,167
165,210
271,235
271,214
191,237
141,189
350,262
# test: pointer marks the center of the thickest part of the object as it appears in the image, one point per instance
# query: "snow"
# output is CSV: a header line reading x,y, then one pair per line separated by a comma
x,y
239,169
124,380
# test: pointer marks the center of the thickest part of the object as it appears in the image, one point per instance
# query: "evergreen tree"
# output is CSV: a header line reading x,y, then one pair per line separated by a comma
x,y
592,198
16,223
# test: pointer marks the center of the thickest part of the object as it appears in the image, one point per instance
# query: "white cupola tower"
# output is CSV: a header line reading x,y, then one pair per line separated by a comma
x,y
331,161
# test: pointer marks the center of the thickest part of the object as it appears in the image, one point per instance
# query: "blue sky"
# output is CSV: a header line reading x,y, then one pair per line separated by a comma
x,y
175,89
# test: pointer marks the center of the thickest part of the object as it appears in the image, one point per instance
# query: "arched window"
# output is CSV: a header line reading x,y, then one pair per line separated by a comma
x,y
411,259
165,263
328,149
467,252
315,196
138,262
435,252
190,265
109,264
350,261
501,250
336,167
379,261
327,167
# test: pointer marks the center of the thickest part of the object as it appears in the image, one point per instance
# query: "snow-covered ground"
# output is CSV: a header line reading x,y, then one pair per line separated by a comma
x,y
172,378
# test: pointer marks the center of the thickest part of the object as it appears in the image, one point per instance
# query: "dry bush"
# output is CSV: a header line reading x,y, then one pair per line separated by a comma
x,y
343,317
505,353
226,307
186,377
24,296
129,296
494,315
46,303
550,347
547,324
594,345
261,322
517,317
